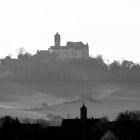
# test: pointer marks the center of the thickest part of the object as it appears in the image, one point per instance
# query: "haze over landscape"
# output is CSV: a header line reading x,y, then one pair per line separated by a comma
x,y
70,69
36,87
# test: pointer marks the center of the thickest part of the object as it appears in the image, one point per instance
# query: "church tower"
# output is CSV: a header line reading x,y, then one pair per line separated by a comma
x,y
57,40
83,112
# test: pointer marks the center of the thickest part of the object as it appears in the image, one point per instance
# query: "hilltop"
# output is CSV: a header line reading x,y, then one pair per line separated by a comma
x,y
50,68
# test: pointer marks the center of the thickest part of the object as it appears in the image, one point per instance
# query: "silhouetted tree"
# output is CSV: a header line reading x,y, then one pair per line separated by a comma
x,y
42,123
115,66
100,59
127,65
128,116
21,52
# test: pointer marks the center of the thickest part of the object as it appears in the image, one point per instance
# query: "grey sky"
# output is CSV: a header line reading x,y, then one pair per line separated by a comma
x,y
111,27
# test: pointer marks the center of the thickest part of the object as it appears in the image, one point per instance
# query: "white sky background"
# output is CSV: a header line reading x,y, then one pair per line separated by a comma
x,y
111,27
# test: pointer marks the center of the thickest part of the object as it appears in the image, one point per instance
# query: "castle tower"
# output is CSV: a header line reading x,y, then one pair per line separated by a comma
x,y
57,40
83,112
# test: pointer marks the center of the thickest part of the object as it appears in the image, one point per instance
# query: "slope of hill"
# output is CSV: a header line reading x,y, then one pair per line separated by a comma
x,y
26,86
101,98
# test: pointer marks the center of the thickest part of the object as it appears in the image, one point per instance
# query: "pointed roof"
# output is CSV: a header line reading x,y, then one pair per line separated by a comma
x,y
109,135
83,106
57,34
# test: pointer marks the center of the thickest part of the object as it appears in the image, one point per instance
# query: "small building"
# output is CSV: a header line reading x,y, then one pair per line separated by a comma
x,y
83,121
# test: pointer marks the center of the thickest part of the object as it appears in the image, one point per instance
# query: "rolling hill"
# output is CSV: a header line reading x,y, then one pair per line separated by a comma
x,y
40,100
45,88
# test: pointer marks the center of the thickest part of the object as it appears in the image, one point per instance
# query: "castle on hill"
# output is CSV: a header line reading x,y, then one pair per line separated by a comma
x,y
72,50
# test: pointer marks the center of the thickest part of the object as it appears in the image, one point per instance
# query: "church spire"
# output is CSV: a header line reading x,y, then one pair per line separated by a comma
x,y
83,112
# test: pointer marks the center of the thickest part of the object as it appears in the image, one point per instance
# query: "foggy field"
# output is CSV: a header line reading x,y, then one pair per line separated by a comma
x,y
37,100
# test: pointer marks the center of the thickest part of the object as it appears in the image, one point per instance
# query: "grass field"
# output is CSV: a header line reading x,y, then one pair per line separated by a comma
x,y
102,99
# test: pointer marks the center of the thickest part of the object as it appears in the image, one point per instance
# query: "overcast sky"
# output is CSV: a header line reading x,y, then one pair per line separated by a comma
x,y
111,27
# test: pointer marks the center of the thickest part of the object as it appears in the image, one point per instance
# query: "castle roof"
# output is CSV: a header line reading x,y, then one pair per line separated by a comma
x,y
57,34
74,44
59,48
70,45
